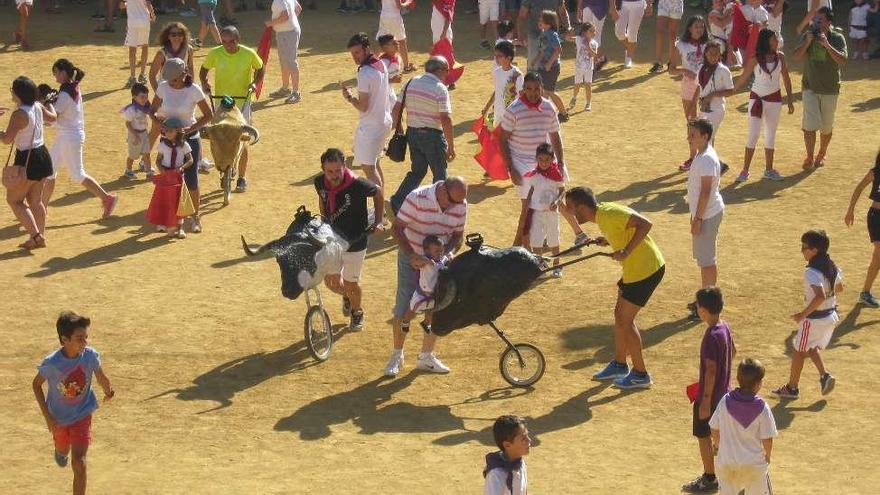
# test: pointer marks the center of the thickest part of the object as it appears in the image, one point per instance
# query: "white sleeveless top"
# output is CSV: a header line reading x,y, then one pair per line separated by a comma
x,y
32,135
767,83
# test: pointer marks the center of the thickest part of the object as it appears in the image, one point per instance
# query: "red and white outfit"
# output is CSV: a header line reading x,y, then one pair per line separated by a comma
x,y
711,80
691,58
423,298
529,125
423,217
816,332
584,61
391,21
166,194
441,11
765,103
67,151
375,122
542,223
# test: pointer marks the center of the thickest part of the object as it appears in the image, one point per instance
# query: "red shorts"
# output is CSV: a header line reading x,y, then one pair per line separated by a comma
x,y
79,433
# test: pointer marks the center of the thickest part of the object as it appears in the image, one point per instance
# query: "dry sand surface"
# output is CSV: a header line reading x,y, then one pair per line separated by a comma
x,y
216,392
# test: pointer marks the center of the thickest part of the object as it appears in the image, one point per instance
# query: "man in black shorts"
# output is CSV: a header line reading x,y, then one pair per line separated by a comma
x,y
343,198
626,232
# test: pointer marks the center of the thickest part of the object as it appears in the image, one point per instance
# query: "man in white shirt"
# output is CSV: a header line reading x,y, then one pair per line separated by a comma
x,y
704,202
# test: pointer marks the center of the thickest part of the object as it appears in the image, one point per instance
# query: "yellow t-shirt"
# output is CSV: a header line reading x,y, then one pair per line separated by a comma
x,y
233,72
645,259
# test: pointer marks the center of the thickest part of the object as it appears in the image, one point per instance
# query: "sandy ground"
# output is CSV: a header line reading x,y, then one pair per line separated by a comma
x,y
217,394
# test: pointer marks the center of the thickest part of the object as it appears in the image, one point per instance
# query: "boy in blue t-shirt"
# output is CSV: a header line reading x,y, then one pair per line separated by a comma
x,y
70,403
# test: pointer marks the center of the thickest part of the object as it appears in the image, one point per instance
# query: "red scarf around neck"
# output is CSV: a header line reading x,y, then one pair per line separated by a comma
x,y
534,106
553,172
348,178
699,47
173,146
706,73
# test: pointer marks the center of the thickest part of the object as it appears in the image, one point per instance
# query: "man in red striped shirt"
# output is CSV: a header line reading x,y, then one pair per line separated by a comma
x,y
439,209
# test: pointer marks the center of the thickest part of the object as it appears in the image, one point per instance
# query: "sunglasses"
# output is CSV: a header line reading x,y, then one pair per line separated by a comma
x,y
176,34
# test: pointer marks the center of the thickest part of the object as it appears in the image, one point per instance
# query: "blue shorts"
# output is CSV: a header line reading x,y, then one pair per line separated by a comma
x,y
512,5
207,13
407,283
191,175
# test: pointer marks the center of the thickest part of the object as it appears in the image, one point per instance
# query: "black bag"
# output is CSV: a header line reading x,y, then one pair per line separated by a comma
x,y
396,150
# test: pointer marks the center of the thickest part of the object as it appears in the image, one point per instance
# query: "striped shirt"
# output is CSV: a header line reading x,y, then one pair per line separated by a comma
x,y
528,128
426,98
423,216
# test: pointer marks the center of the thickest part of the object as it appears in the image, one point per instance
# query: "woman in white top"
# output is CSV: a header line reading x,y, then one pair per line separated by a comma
x,y
174,40
178,97
765,100
25,132
67,151
285,23
689,54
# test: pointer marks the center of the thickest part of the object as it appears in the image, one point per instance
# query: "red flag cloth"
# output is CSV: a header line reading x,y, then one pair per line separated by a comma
x,y
163,204
263,50
739,36
553,173
692,391
490,157
752,43
444,48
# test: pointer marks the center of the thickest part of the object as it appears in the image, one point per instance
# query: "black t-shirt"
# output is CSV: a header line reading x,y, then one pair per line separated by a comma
x,y
350,218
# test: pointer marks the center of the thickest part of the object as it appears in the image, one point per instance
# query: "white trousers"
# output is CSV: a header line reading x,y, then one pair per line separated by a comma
x,y
437,22
627,26
770,118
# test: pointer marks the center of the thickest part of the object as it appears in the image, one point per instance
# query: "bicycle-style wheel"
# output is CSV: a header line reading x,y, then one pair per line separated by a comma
x,y
525,373
318,333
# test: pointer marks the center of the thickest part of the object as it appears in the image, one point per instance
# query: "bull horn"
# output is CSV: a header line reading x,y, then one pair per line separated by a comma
x,y
253,252
253,132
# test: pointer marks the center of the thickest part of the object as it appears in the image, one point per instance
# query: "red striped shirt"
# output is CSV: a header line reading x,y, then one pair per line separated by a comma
x,y
423,217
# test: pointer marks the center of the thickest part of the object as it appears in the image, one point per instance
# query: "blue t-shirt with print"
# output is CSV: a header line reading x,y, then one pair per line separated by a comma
x,y
548,42
71,397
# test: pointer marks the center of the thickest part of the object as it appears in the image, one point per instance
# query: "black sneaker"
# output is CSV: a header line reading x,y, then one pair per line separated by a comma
x,y
701,485
786,392
346,306
692,308
357,321
563,117
826,383
656,68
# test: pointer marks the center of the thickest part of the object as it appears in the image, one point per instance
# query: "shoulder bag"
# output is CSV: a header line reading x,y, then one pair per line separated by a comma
x,y
396,149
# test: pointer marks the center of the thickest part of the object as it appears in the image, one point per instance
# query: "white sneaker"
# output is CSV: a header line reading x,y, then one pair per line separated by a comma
x,y
395,362
430,362
627,63
196,226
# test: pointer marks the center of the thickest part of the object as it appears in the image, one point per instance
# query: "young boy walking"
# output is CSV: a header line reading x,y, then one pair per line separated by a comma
x,y
508,81
822,282
140,14
743,429
71,401
716,358
505,470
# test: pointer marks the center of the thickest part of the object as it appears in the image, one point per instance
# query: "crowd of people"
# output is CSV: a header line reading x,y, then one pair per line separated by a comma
x,y
734,426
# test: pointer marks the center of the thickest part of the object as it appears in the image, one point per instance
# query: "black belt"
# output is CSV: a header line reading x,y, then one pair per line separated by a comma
x,y
424,129
821,313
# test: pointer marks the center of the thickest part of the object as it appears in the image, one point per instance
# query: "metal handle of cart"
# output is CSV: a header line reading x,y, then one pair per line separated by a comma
x,y
246,98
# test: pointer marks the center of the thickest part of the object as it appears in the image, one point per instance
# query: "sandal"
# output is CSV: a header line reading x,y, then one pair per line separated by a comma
x,y
35,242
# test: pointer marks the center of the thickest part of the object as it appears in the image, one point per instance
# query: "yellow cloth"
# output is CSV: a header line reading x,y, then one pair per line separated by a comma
x,y
233,72
645,259
185,206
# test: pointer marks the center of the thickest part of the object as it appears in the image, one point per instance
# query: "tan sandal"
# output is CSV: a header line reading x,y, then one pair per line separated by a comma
x,y
35,242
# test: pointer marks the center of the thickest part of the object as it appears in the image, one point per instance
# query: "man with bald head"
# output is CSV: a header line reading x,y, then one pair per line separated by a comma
x,y
429,127
439,209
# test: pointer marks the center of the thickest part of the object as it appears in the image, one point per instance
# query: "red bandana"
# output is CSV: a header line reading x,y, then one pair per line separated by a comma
x,y
347,180
706,73
534,106
173,146
553,172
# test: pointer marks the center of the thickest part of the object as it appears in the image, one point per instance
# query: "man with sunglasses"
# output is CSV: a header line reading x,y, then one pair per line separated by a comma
x,y
439,209
237,71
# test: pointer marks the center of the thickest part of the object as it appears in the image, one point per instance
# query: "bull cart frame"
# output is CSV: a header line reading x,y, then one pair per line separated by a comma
x,y
317,326
228,175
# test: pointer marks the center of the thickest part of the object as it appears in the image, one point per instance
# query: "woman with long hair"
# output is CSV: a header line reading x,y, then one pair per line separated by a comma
x,y
765,100
25,133
70,136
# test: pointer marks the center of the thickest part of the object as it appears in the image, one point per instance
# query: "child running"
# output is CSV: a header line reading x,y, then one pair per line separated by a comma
x,y
872,178
743,429
540,215
68,407
137,35
136,116
505,470
584,65
173,157
822,282
508,83
547,59
423,298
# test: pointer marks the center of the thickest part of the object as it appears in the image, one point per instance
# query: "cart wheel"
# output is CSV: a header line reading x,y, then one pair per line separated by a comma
x,y
227,186
319,333
526,374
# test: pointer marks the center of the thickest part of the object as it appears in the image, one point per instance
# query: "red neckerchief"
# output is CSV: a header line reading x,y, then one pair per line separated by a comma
x,y
706,73
347,180
534,106
762,61
758,105
373,62
173,146
72,89
699,47
552,172
445,7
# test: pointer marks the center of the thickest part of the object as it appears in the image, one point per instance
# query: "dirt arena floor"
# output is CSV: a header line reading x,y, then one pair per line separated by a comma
x,y
216,392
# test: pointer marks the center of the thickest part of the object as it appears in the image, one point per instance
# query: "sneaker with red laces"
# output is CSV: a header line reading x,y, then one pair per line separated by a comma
x,y
110,205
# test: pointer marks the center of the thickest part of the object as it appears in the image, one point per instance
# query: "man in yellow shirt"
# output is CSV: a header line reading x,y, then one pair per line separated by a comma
x,y
237,70
626,231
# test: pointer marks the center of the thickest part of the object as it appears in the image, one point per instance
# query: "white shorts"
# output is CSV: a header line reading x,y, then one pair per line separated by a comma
x,y
488,11
137,36
437,23
368,144
672,9
352,266
68,152
19,3
421,303
813,334
393,25
857,34
583,76
545,226
630,20
733,479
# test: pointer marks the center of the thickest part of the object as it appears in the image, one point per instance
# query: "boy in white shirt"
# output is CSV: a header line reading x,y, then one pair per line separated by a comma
x,y
488,16
587,52
391,22
137,35
136,116
505,470
508,82
743,429
540,214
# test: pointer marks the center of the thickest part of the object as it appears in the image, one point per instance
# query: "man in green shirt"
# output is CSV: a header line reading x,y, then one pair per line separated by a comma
x,y
237,71
626,231
823,50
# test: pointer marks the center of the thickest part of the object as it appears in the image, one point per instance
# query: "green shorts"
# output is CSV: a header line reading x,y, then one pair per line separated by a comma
x,y
819,112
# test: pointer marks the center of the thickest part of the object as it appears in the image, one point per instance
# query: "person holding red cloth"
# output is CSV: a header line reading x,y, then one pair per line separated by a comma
x,y
539,221
343,201
174,155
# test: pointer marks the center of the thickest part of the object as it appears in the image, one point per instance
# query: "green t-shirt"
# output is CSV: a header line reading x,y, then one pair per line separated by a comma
x,y
645,259
233,72
821,72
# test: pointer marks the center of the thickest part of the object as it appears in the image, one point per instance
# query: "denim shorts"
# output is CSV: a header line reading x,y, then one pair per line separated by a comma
x,y
407,282
191,175
207,13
